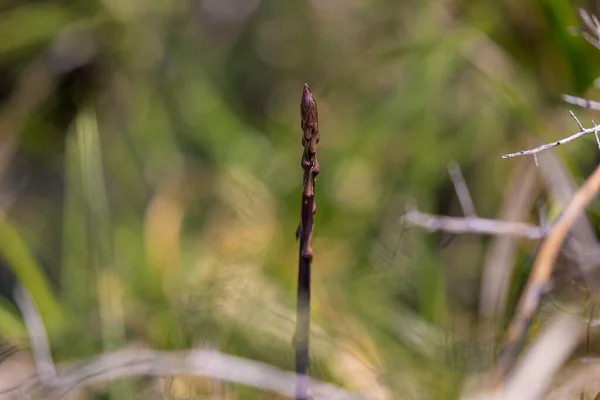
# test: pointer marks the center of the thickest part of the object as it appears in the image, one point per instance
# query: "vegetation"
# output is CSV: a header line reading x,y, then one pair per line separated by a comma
x,y
150,183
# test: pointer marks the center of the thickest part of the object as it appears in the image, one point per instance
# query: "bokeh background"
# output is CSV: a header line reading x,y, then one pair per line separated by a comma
x,y
150,176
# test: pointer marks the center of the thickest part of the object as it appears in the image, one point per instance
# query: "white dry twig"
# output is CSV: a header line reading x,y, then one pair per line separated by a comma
x,y
197,362
547,146
470,223
581,102
65,381
432,223
591,21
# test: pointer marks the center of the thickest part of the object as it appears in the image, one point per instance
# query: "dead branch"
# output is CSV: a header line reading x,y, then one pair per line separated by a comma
x,y
581,102
591,21
547,146
126,364
470,223
461,225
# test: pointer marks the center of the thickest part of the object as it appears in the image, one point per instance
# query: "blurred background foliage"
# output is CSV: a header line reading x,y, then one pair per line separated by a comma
x,y
150,160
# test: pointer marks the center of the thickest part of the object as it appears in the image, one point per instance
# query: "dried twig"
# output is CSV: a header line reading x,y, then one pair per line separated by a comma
x,y
309,122
542,271
139,363
547,146
581,102
592,22
460,225
594,25
592,105
470,223
462,191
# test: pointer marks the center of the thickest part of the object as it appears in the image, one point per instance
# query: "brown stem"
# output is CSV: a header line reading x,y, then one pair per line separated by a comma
x,y
310,128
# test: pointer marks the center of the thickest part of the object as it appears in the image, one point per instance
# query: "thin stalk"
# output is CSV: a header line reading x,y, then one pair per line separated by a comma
x,y
309,122
541,273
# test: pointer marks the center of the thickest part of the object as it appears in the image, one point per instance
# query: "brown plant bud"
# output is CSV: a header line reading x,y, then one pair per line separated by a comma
x,y
315,168
309,115
305,163
307,252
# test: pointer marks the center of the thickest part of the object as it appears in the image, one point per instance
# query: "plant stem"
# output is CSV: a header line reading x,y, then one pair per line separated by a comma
x,y
310,127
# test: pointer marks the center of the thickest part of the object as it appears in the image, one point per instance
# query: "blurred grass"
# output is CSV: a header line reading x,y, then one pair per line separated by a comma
x,y
181,188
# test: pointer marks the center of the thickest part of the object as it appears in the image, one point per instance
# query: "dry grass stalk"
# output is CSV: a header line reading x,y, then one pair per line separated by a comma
x,y
542,270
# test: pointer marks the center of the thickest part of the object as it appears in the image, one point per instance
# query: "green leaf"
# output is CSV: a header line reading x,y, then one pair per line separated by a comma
x,y
11,325
30,273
